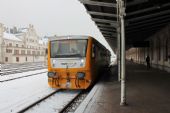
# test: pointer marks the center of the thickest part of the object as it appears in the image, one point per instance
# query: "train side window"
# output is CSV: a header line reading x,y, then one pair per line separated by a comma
x,y
93,51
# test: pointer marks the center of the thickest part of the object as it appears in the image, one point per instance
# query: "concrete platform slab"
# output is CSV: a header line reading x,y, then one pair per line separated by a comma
x,y
148,91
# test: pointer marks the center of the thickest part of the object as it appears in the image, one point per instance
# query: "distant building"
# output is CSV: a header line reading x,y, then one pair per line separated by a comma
x,y
20,45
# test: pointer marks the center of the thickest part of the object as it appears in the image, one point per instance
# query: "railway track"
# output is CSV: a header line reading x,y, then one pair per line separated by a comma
x,y
20,70
74,104
23,64
14,78
37,102
7,69
53,103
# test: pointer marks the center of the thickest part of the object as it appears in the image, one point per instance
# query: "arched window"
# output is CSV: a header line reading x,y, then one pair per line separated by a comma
x,y
151,49
158,49
166,50
144,56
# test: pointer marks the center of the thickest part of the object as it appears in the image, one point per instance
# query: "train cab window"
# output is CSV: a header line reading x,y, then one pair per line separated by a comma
x,y
93,51
68,48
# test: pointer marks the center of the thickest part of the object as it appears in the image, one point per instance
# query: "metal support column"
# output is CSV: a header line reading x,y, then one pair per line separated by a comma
x,y
123,77
118,53
118,44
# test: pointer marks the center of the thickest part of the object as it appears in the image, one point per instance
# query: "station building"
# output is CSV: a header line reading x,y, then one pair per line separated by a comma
x,y
158,50
21,45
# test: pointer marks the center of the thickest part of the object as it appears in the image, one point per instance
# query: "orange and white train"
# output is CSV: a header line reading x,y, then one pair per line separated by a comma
x,y
74,62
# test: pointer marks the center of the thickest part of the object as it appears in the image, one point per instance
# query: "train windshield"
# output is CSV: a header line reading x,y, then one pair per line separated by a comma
x,y
68,48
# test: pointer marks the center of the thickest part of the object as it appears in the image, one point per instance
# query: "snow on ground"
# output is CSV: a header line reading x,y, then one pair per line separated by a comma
x,y
12,76
55,103
17,94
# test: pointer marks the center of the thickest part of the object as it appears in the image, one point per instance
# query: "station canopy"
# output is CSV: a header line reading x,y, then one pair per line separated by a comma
x,y
143,18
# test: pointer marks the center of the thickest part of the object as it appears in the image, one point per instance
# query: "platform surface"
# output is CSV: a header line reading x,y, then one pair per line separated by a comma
x,y
148,91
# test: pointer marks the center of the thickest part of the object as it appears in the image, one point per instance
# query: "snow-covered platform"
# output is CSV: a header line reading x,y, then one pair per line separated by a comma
x,y
148,91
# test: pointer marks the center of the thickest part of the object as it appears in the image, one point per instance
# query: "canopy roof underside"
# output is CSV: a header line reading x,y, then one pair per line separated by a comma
x,y
143,18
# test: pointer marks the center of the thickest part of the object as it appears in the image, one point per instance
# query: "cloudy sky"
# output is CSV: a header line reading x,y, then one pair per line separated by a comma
x,y
49,17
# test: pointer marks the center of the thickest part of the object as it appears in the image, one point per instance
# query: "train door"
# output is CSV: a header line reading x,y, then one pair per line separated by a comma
x,y
93,61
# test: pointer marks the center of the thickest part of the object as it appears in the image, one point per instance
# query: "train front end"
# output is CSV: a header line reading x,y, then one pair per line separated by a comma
x,y
68,64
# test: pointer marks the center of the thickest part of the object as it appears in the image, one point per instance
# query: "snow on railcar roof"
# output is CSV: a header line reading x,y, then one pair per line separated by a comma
x,y
68,37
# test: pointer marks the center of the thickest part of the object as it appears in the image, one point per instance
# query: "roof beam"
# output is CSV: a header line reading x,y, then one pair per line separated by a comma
x,y
150,24
134,32
141,11
147,9
102,14
146,28
104,25
149,16
96,3
113,23
151,20
109,36
107,29
135,2
109,32
112,38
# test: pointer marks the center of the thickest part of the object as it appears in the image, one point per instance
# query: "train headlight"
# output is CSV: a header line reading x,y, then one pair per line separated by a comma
x,y
51,74
80,75
82,60
54,61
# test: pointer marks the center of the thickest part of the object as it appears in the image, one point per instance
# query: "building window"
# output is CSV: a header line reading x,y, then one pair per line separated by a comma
x,y
159,49
10,44
38,52
17,59
25,58
166,50
16,45
8,50
16,52
23,52
33,52
6,59
28,52
42,53
22,45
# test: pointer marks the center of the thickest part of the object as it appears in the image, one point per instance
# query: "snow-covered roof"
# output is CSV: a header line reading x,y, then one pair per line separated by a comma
x,y
40,41
23,30
43,40
10,37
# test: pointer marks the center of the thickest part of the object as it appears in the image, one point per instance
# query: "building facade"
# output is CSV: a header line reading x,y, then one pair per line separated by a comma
x,y
21,45
159,50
